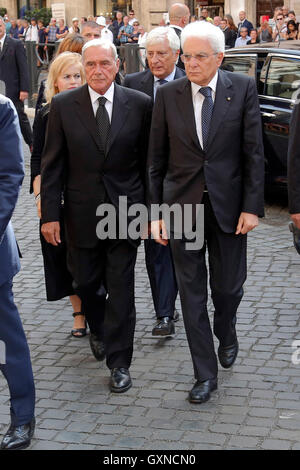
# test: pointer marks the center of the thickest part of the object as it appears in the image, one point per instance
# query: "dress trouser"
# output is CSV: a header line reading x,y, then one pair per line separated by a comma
x,y
15,359
161,273
111,263
227,269
24,122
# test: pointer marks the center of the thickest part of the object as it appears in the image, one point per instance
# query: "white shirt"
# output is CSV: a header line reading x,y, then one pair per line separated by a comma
x,y
156,84
2,41
107,34
132,21
198,100
109,95
32,34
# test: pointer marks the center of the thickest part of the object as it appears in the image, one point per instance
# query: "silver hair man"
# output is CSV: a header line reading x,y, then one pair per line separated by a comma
x,y
205,30
159,34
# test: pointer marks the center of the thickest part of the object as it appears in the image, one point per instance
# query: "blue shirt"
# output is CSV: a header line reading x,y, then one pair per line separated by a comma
x,y
126,29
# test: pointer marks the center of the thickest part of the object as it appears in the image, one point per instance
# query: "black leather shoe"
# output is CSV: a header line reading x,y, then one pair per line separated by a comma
x,y
164,327
228,354
97,347
120,380
176,316
201,391
18,437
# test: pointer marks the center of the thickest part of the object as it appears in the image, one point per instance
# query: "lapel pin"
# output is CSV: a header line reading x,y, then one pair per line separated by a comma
x,y
228,98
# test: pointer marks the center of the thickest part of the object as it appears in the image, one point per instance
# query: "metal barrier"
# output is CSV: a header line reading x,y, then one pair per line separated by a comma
x,y
130,61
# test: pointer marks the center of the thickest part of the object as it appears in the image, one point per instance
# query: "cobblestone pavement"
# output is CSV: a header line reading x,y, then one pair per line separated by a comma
x,y
257,404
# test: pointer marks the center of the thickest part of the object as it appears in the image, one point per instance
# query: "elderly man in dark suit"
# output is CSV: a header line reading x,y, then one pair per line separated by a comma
x,y
15,364
206,148
294,164
95,150
162,47
14,75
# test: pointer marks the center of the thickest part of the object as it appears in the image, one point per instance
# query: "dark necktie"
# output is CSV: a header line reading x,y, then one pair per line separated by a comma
x,y
207,111
103,123
162,81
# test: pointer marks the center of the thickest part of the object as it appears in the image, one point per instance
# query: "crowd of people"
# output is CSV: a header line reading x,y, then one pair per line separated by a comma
x,y
166,136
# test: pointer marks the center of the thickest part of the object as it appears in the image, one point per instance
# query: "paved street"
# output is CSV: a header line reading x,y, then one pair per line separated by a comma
x,y
257,405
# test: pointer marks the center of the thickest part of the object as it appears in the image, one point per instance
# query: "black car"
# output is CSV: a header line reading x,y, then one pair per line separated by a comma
x,y
276,68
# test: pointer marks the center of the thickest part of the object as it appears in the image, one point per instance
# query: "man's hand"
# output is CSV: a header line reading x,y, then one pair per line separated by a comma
x,y
23,95
159,232
247,222
51,233
296,219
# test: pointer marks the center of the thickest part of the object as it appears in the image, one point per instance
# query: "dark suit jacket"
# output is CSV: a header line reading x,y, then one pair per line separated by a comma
x,y
11,177
74,162
233,166
247,24
144,81
180,64
294,162
13,68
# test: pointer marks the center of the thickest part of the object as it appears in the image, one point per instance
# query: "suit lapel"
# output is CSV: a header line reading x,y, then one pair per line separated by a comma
x,y
185,102
86,113
5,47
119,114
147,83
224,94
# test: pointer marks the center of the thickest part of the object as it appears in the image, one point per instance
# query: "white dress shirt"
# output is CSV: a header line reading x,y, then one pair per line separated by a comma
x,y
109,95
198,100
156,84
107,34
2,42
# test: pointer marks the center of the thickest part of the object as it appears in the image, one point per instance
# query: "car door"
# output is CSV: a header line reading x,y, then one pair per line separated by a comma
x,y
279,82
243,63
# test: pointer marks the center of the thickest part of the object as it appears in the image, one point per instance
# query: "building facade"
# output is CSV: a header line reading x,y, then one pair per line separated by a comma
x,y
150,12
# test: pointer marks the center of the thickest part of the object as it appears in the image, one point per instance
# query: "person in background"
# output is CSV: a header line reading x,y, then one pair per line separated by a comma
x,y
125,31
20,28
41,41
117,24
7,24
132,17
63,30
292,31
217,21
244,23
194,18
134,38
243,39
65,73
14,30
91,30
51,31
32,32
25,25
254,39
105,32
205,14
230,34
231,23
142,43
272,21
90,18
280,29
83,20
75,26
265,32
285,12
179,15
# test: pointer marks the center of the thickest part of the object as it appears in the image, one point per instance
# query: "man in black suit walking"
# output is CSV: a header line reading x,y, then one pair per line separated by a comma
x,y
162,47
15,77
95,149
206,147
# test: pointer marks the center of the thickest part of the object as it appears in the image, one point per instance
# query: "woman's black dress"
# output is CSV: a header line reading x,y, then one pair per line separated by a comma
x,y
57,277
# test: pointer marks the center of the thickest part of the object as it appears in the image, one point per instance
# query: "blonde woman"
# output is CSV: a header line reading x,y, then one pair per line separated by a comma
x,y
65,73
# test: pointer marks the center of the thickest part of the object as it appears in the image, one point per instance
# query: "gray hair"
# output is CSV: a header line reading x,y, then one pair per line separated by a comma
x,y
205,30
104,43
161,33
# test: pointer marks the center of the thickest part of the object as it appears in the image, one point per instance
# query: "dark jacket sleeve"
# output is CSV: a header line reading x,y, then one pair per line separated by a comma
x,y
41,97
22,65
39,133
294,162
53,166
253,154
158,151
11,162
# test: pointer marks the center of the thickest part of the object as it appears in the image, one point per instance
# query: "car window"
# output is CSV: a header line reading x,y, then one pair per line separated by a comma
x,y
283,78
240,64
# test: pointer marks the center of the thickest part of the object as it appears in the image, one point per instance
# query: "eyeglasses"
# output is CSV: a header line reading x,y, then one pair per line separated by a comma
x,y
198,57
279,19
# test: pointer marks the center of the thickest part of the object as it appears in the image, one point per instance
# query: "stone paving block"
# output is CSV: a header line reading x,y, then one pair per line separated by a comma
x,y
273,444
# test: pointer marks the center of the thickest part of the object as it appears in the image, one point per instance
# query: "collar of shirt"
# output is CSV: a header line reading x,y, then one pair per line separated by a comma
x,y
109,95
176,27
212,84
169,78
2,41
